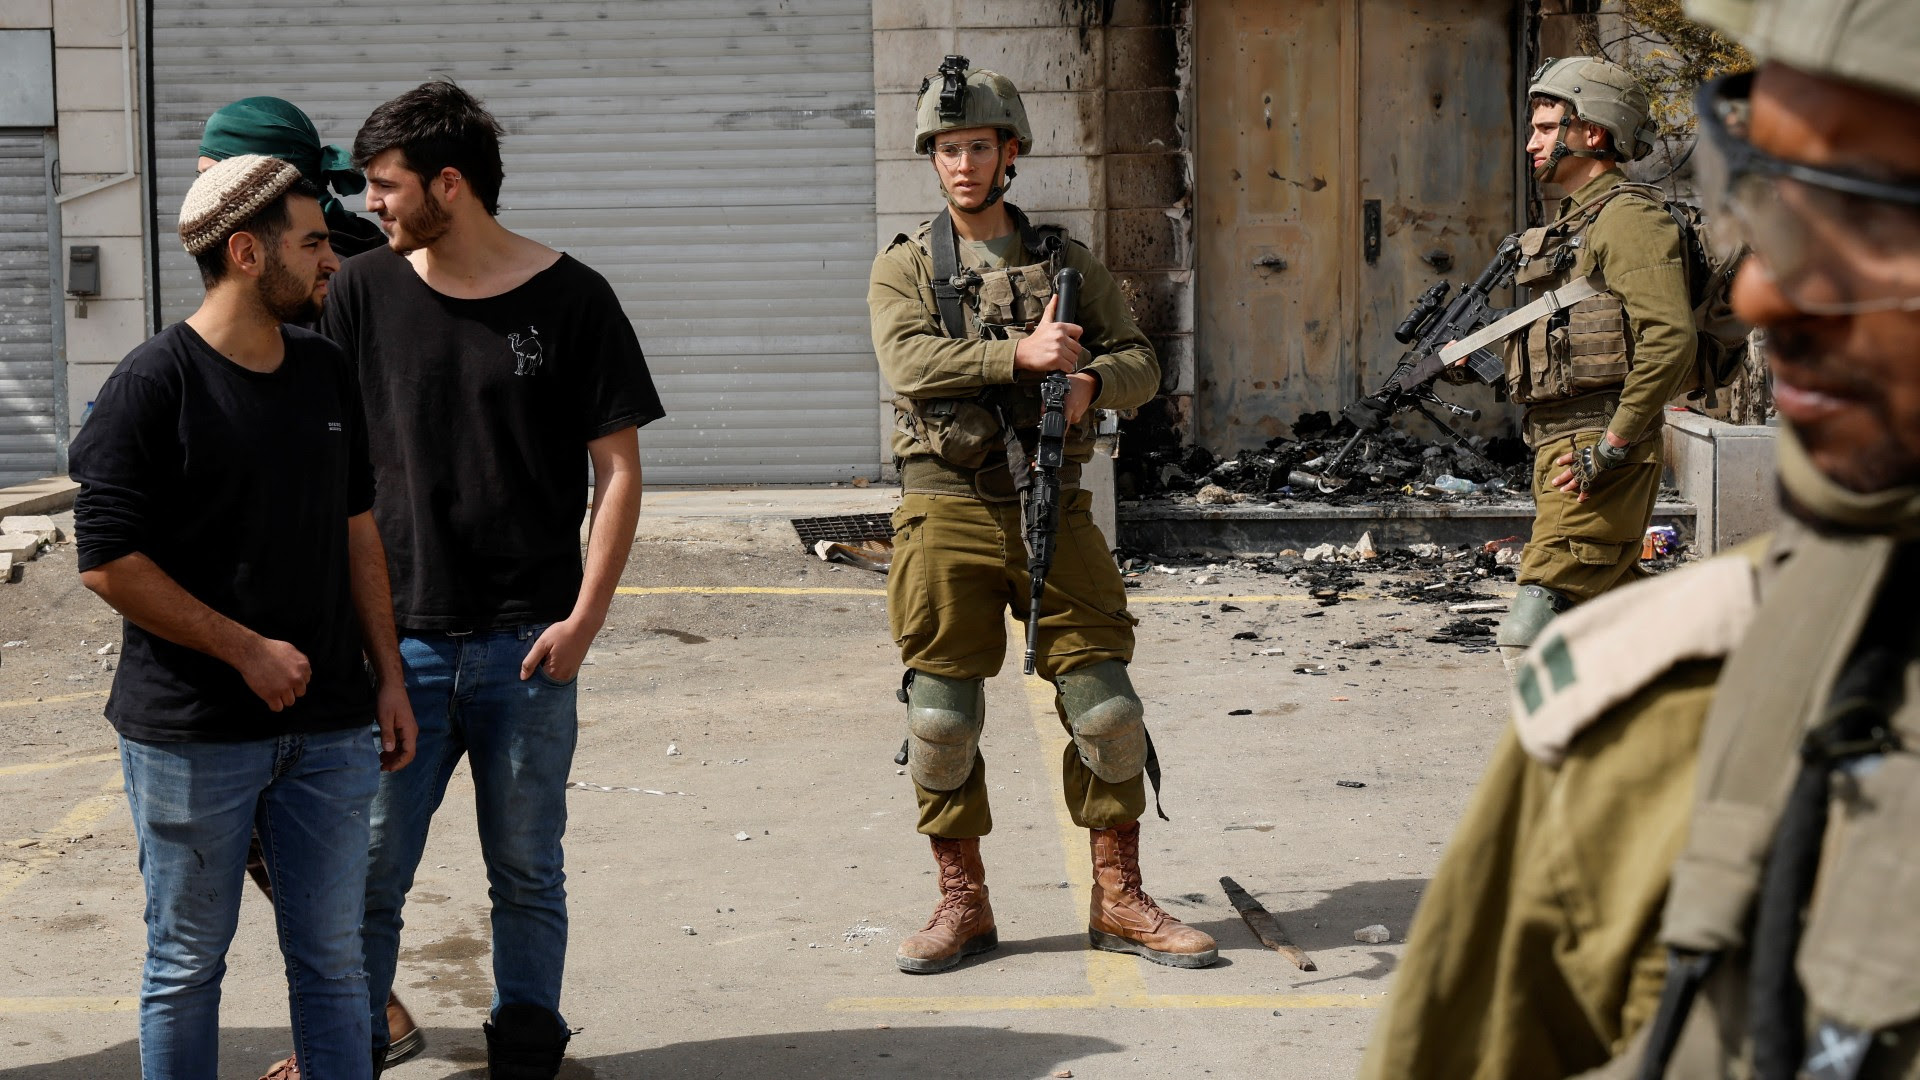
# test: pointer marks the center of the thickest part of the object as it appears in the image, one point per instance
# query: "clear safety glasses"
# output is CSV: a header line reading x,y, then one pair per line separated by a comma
x,y
1836,243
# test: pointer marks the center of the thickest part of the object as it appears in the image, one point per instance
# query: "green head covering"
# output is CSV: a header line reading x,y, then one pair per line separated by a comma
x,y
276,128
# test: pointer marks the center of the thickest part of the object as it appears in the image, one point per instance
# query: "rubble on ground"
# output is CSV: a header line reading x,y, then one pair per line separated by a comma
x,y
1387,464
22,539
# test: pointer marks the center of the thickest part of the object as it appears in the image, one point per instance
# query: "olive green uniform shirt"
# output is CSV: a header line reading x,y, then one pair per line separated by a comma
x,y
1635,245
919,361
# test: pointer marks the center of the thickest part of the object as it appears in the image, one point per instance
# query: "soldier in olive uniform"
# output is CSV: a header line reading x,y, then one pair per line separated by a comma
x,y
1594,376
1696,848
963,324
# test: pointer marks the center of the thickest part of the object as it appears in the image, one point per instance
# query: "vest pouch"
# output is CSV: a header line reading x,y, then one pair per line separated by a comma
x,y
960,431
1013,299
1535,267
1546,344
997,306
1596,349
1860,958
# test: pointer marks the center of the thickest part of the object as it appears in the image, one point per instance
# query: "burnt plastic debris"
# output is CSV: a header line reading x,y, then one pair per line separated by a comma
x,y
1384,465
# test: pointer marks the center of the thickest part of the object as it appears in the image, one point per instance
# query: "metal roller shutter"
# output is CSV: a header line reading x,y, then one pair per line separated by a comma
x,y
713,158
28,443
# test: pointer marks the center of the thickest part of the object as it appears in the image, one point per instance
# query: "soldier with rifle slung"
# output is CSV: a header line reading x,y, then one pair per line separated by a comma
x,y
965,330
1594,376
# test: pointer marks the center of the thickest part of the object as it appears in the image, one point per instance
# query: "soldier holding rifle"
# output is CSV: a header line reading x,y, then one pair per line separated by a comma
x,y
965,328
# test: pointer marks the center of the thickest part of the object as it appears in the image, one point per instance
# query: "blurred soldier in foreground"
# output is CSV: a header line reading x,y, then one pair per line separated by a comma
x,y
1696,847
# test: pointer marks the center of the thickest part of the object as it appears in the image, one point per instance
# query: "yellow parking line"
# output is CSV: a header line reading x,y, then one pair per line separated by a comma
x,y
49,766
54,700
90,812
1102,1001
13,1006
1114,980
798,590
1109,975
741,590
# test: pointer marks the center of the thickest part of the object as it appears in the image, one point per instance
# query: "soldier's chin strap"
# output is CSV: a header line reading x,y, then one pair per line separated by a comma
x,y
1002,179
1561,152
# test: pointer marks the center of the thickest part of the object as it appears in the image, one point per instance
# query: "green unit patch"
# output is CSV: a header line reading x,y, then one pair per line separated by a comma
x,y
1559,661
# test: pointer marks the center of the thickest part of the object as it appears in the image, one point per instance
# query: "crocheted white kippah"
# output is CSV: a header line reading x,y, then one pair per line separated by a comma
x,y
229,193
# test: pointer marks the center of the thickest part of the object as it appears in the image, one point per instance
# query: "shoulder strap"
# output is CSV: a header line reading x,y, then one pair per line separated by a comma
x,y
1046,241
1605,651
1522,317
946,267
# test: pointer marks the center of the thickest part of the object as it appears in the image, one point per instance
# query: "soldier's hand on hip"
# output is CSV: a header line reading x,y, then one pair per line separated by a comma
x,y
1584,464
276,672
1081,389
1053,346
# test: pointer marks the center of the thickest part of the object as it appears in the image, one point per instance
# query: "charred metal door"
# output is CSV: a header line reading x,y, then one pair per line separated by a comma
x,y
1348,153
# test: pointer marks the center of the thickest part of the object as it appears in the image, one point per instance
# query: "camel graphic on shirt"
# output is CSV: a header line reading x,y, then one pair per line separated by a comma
x,y
527,353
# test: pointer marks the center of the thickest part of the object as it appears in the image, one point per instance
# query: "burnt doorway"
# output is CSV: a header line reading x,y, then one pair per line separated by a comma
x,y
1347,154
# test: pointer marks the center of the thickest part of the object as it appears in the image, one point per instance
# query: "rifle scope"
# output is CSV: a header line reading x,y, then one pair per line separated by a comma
x,y
1411,327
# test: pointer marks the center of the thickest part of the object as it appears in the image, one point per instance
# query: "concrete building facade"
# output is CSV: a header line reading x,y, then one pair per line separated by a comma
x,y
712,157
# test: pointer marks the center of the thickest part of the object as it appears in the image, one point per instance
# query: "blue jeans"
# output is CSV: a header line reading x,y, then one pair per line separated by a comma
x,y
195,807
468,698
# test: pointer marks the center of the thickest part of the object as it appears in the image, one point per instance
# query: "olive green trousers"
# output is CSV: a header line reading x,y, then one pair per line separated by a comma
x,y
1582,549
959,566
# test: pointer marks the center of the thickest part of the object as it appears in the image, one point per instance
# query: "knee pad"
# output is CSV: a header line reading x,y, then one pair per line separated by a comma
x,y
1534,606
944,718
1107,720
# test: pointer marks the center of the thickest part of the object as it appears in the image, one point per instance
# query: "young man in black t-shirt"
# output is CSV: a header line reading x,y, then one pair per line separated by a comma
x,y
493,368
225,509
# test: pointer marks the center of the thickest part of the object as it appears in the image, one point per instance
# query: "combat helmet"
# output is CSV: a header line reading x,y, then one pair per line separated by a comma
x,y
1604,94
1873,45
955,98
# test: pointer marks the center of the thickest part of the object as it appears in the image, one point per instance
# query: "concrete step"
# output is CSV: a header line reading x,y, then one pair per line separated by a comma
x,y
1164,526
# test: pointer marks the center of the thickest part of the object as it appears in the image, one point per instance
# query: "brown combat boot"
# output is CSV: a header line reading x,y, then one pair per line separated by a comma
x,y
962,925
1123,918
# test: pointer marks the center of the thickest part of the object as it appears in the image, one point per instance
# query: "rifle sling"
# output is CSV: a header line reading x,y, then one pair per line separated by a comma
x,y
1520,318
946,267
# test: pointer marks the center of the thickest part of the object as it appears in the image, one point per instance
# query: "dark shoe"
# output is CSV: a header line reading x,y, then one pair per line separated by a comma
x,y
1123,918
525,1042
406,1040
962,925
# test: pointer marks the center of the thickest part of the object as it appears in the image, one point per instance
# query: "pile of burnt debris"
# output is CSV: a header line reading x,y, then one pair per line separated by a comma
x,y
1426,573
1385,464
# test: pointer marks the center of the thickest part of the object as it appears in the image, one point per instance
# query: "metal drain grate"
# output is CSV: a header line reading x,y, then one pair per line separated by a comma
x,y
843,529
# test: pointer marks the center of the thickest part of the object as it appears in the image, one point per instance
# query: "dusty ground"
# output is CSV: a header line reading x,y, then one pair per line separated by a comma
x,y
699,955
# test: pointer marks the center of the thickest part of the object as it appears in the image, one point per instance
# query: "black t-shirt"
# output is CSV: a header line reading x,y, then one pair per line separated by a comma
x,y
480,412
238,485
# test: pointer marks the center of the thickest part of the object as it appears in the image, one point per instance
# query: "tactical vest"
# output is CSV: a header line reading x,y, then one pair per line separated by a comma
x,y
967,434
1858,957
1583,350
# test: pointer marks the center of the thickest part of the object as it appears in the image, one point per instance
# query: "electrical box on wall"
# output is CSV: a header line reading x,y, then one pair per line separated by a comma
x,y
83,270
83,276
26,78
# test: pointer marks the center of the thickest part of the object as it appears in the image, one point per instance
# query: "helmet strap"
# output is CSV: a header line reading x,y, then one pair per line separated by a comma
x,y
1561,151
1002,178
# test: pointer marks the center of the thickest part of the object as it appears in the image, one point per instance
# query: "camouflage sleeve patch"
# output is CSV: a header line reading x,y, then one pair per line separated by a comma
x,y
1604,652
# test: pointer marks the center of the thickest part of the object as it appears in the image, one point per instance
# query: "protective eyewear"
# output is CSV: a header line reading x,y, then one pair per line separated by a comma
x,y
1834,242
978,150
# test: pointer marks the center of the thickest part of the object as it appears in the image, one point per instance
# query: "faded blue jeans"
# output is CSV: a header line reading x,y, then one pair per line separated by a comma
x,y
468,698
195,807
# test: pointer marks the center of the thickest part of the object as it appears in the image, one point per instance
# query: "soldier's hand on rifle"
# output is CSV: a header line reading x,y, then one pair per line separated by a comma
x,y
1584,464
1080,394
1053,346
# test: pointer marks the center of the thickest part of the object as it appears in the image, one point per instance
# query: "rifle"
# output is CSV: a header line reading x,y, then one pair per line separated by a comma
x,y
1043,491
1427,329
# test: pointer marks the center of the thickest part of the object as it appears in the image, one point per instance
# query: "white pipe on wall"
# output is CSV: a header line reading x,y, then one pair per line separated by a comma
x,y
126,110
